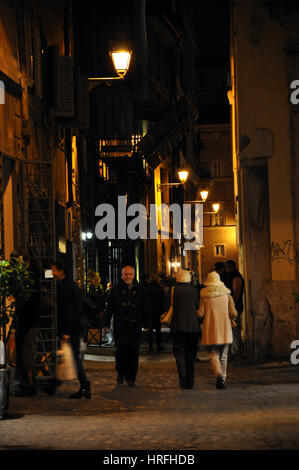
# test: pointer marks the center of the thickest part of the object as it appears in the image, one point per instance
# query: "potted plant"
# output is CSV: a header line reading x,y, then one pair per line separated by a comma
x,y
15,289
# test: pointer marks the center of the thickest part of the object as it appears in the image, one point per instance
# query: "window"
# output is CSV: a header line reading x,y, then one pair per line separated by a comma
x,y
220,251
216,169
103,170
217,219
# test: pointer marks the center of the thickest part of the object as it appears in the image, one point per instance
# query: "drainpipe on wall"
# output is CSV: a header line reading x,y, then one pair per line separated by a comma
x,y
68,132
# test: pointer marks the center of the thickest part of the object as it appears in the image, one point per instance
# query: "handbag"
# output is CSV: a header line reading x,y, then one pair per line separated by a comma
x,y
167,316
65,368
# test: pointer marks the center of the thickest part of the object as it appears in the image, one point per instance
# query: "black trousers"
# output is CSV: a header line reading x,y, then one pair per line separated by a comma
x,y
75,340
150,336
127,358
184,350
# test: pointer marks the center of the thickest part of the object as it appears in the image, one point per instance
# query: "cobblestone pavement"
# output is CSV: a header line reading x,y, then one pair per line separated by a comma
x,y
258,410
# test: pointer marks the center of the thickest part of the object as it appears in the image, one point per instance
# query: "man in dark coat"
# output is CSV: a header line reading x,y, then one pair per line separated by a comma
x,y
155,295
69,321
235,282
220,268
127,303
185,327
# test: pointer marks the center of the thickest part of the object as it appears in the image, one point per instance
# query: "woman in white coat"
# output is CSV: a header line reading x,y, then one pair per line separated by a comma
x,y
217,309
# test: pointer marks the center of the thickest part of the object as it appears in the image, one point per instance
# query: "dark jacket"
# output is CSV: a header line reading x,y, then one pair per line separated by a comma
x,y
156,296
69,308
130,310
229,277
185,304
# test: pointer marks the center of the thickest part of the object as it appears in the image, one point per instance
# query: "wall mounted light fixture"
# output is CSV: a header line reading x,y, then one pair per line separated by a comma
x,y
121,62
183,176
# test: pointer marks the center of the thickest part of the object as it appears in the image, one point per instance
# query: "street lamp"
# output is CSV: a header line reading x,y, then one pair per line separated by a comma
x,y
121,62
86,237
183,176
204,195
216,207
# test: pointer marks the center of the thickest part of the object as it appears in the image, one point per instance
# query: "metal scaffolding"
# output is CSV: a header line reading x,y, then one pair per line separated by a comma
x,y
37,228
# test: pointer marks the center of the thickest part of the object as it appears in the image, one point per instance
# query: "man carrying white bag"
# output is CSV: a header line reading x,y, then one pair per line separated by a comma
x,y
70,327
65,368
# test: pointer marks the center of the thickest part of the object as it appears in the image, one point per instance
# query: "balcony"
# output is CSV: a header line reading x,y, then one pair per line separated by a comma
x,y
122,169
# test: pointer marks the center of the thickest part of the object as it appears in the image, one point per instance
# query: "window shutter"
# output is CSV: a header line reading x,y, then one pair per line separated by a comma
x,y
81,117
65,105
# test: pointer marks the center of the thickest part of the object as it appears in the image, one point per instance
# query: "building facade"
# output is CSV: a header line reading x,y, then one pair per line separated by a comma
x,y
40,120
264,63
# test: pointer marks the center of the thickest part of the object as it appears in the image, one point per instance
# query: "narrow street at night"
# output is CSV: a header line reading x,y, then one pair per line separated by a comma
x,y
259,410
149,233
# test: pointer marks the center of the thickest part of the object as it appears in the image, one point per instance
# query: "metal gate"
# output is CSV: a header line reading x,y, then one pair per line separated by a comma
x,y
37,229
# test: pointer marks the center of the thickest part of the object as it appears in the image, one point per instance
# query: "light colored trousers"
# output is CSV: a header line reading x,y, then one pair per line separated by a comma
x,y
218,359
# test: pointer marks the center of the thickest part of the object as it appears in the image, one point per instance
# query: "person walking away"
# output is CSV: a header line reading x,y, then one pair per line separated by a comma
x,y
26,324
127,304
235,283
109,334
195,283
70,327
216,307
220,268
184,327
156,295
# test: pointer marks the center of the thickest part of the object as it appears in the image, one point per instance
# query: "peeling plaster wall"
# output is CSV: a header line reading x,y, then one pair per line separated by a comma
x,y
264,171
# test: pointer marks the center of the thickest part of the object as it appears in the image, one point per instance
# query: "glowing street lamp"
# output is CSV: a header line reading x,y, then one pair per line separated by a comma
x,y
216,207
121,61
204,195
183,176
86,236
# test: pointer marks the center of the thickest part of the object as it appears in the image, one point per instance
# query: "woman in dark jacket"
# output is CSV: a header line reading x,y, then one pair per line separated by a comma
x,y
155,294
185,327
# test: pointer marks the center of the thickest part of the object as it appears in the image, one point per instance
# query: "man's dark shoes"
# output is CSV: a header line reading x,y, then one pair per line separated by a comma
x,y
84,391
183,381
130,382
189,383
120,379
220,383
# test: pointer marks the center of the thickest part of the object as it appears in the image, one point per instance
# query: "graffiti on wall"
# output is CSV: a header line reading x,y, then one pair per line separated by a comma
x,y
284,251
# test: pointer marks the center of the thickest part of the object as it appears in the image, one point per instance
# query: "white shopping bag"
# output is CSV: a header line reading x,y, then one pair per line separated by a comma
x,y
65,368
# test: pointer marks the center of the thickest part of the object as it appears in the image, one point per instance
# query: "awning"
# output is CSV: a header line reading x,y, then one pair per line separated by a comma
x,y
164,136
